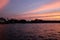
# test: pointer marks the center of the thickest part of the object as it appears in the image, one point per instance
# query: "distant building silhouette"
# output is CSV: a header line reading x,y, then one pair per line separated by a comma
x,y
2,20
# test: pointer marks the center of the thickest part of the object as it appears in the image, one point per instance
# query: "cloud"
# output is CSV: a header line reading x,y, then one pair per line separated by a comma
x,y
48,16
50,6
3,3
55,15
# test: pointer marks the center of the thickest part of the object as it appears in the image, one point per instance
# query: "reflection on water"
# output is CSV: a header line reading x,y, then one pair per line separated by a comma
x,y
45,31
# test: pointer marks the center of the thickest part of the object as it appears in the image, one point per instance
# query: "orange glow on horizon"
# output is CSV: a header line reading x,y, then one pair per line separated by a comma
x,y
45,16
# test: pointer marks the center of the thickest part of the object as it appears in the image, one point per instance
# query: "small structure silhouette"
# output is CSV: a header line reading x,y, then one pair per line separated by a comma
x,y
2,20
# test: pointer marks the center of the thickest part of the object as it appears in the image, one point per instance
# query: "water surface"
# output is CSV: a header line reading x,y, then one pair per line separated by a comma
x,y
42,31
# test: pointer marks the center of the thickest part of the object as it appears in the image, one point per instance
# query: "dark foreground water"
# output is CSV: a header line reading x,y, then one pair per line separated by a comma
x,y
44,31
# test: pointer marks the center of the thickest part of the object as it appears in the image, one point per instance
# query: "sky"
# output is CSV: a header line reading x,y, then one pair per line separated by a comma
x,y
30,9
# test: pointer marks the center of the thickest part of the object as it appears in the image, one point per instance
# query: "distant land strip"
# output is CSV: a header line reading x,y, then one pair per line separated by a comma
x,y
13,21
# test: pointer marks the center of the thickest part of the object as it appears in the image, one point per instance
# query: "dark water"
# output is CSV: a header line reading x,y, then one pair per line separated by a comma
x,y
45,31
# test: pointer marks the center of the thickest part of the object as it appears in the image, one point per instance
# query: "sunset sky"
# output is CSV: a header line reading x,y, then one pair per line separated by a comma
x,y
30,9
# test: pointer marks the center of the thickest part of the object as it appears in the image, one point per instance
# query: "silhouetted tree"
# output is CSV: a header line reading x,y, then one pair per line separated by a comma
x,y
12,21
22,21
36,21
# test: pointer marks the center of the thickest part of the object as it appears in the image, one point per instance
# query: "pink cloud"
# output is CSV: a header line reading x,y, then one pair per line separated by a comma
x,y
49,6
3,3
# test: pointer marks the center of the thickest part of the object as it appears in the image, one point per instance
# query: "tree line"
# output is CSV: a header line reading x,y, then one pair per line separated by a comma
x,y
7,21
